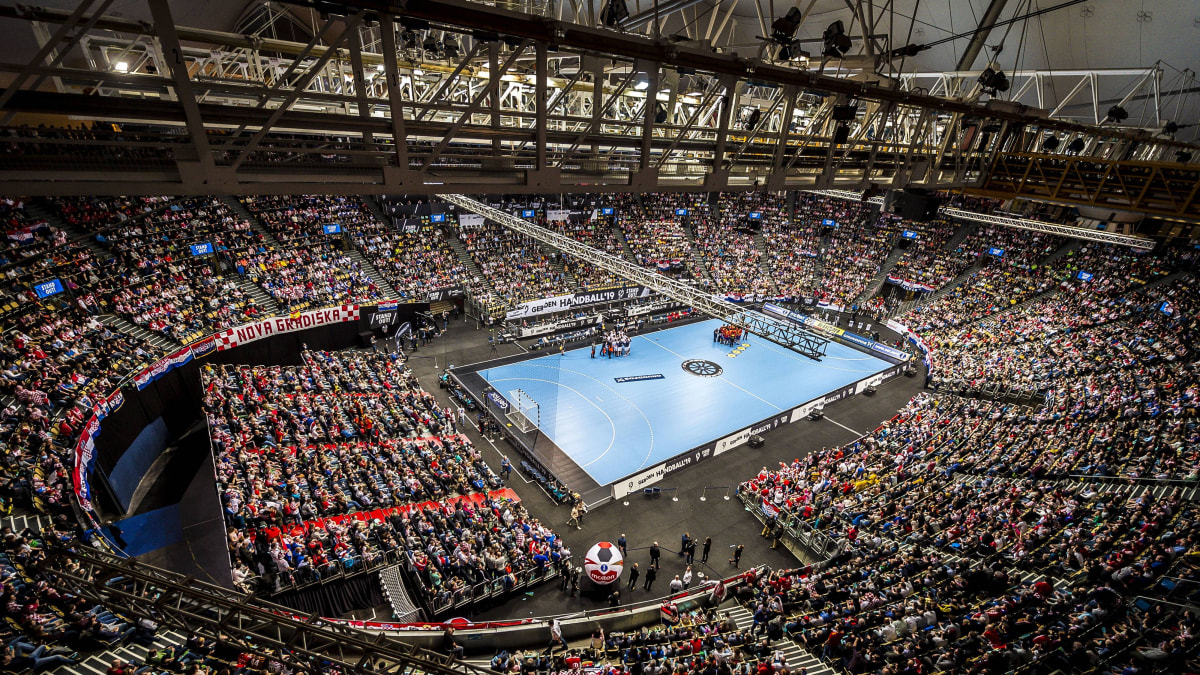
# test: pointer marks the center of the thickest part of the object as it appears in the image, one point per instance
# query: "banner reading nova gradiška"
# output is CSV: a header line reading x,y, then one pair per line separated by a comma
x,y
226,339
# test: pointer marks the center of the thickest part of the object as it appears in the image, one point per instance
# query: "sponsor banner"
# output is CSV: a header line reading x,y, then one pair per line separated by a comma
x,y
742,437
499,401
383,319
444,294
558,215
639,378
556,326
470,220
204,347
404,330
115,401
823,327
563,303
162,367
653,475
250,332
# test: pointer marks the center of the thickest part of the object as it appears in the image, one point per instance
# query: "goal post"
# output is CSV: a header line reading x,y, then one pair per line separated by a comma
x,y
525,413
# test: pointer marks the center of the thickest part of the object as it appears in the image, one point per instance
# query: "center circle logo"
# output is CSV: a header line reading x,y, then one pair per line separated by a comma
x,y
702,368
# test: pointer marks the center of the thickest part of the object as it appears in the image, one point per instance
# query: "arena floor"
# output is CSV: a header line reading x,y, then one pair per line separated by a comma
x,y
677,390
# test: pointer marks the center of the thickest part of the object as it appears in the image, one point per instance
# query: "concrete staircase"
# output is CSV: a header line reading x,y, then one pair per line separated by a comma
x,y
262,299
98,663
160,342
239,209
880,277
764,261
696,262
556,264
461,251
32,521
797,656
44,210
964,230
385,287
619,235
376,209
952,284
1071,245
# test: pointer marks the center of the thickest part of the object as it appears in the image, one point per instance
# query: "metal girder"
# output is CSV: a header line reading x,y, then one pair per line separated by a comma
x,y
786,334
1051,228
1158,188
1018,223
404,104
307,644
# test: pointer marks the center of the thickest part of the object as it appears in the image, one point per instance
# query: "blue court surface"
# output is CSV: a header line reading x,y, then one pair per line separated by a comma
x,y
613,429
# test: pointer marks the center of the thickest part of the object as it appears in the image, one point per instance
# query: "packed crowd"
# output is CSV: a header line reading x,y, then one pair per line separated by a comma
x,y
56,366
299,448
597,232
163,286
926,265
794,247
413,255
728,245
307,267
655,232
514,267
958,549
857,248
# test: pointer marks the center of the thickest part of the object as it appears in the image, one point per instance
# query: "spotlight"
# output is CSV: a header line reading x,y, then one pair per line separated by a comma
x,y
836,42
1183,156
1076,146
642,84
791,52
783,28
430,44
614,12
1117,114
451,47
410,39
1050,144
660,113
993,81
121,67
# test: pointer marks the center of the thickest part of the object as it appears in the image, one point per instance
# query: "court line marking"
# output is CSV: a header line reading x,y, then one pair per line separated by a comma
x,y
853,431
719,377
577,393
604,385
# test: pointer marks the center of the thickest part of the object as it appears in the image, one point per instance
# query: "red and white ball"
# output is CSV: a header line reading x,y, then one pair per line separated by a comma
x,y
604,563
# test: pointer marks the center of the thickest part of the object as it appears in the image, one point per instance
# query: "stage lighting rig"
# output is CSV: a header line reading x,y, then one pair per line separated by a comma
x,y
614,12
784,28
835,41
993,81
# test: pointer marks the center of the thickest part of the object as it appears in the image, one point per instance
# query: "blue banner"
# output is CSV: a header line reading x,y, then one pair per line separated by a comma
x,y
437,218
756,215
908,234
528,213
202,249
998,252
1084,276
829,222
48,288
681,212
606,211
332,228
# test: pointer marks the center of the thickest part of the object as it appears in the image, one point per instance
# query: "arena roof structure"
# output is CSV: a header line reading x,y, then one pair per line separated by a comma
x,y
563,97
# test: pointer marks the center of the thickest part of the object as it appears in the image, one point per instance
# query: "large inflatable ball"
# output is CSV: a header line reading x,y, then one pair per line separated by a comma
x,y
603,563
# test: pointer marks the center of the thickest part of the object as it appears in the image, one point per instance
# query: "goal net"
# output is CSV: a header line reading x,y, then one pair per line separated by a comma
x,y
525,413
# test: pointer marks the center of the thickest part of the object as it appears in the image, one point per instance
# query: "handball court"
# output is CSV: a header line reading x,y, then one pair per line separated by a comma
x,y
610,418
